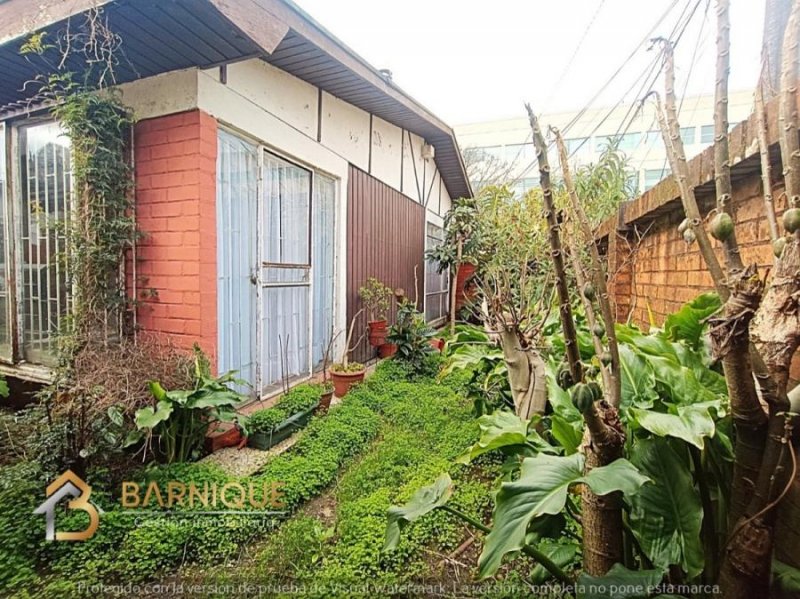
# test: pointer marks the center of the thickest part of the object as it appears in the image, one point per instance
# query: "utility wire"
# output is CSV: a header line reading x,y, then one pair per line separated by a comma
x,y
650,73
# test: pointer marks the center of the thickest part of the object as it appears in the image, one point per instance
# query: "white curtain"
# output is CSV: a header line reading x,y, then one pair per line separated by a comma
x,y
323,208
237,197
286,206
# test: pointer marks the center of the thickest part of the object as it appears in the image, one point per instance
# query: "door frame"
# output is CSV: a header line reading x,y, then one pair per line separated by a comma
x,y
262,265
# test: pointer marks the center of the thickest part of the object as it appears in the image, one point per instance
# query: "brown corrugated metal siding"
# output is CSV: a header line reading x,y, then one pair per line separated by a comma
x,y
385,240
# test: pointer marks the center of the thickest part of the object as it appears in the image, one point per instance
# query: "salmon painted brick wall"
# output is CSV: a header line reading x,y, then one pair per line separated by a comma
x,y
176,159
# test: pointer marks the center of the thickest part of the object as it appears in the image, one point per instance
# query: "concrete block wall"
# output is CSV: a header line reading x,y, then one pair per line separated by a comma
x,y
176,159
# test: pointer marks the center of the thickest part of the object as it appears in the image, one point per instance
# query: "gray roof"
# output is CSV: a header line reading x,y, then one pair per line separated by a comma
x,y
165,36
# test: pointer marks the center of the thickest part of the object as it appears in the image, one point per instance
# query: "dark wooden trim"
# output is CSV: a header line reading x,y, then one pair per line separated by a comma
x,y
369,160
402,156
319,114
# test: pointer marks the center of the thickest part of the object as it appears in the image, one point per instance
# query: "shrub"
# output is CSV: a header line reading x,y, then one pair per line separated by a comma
x,y
299,399
179,420
20,536
376,297
411,334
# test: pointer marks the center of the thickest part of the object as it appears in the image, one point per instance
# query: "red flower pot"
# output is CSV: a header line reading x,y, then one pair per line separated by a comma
x,y
465,289
342,381
229,438
437,343
377,332
387,350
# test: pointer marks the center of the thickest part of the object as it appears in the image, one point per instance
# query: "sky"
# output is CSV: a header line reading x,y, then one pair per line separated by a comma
x,y
471,61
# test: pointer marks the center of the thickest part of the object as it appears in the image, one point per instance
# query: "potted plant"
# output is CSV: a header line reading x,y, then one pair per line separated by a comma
x,y
292,412
387,350
375,297
345,374
412,336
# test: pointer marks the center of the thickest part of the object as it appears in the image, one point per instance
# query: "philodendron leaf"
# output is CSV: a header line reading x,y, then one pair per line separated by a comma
x,y
542,488
568,434
215,399
157,390
423,501
693,423
562,553
785,577
666,516
559,399
619,583
499,429
638,380
149,417
687,324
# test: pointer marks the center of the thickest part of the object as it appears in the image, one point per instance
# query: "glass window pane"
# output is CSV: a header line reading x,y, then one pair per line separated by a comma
x,y
45,182
436,283
630,141
577,144
287,197
323,214
653,176
707,134
237,179
285,334
687,135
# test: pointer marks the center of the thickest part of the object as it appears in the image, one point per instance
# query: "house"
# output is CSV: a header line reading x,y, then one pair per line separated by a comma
x,y
275,171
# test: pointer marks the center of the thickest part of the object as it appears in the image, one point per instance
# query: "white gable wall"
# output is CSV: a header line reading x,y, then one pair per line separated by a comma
x,y
368,142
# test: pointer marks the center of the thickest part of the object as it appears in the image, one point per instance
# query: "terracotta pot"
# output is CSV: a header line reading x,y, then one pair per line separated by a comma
x,y
342,381
387,350
465,289
377,332
325,401
437,343
230,438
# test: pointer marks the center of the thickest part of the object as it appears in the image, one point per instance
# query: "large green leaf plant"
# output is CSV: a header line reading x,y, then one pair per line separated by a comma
x,y
672,480
175,426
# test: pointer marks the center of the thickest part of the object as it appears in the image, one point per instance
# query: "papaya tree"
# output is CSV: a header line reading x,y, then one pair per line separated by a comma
x,y
513,282
757,332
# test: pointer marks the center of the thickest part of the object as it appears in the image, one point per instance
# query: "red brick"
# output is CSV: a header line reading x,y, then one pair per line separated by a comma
x,y
175,199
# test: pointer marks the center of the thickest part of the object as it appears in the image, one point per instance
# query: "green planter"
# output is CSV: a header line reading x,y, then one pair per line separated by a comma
x,y
264,440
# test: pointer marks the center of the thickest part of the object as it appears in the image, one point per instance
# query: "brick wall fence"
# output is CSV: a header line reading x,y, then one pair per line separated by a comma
x,y
175,210
651,268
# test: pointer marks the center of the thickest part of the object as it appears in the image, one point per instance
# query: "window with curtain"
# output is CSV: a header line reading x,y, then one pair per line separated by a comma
x,y
237,197
323,213
285,310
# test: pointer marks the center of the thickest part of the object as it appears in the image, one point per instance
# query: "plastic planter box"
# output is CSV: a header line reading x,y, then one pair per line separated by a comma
x,y
264,440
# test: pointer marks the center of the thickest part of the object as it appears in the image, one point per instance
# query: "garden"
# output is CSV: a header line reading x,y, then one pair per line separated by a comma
x,y
537,444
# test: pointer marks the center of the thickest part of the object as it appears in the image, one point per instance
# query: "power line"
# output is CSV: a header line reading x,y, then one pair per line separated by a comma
x,y
649,73
577,49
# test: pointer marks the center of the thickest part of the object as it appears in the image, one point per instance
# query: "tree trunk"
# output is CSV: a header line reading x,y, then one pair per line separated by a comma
x,y
603,542
602,516
454,287
526,375
598,275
